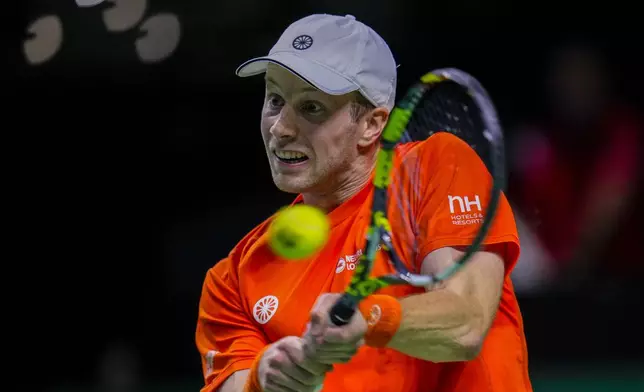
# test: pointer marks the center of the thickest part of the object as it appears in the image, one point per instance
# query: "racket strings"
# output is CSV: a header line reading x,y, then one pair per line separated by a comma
x,y
448,107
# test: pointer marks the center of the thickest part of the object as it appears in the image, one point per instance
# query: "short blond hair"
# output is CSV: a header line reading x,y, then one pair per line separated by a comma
x,y
360,106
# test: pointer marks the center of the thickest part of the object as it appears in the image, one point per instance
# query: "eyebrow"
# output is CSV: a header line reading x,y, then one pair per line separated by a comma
x,y
272,81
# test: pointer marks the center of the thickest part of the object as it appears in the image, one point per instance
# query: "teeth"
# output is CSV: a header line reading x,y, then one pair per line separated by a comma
x,y
289,155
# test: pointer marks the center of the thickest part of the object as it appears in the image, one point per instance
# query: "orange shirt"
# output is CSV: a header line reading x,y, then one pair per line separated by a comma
x,y
253,298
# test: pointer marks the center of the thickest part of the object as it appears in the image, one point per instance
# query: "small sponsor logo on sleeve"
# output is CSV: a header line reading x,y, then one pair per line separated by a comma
x,y
465,210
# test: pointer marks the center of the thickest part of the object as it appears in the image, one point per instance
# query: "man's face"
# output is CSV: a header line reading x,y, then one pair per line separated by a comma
x,y
310,137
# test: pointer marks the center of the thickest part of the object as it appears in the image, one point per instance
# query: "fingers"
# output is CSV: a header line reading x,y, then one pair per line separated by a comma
x,y
335,360
332,353
317,324
288,368
315,367
322,330
335,357
338,336
313,346
296,351
281,382
272,378
278,382
305,367
327,346
307,372
320,313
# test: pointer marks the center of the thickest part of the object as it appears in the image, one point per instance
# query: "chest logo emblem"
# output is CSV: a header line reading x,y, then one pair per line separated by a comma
x,y
265,308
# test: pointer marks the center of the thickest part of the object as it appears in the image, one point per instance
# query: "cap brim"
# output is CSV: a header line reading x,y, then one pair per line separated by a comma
x,y
313,73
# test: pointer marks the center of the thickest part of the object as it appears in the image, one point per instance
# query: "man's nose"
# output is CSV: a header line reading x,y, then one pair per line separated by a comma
x,y
285,127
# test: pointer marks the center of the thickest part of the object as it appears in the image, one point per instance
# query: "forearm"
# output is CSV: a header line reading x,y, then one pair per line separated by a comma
x,y
439,326
235,383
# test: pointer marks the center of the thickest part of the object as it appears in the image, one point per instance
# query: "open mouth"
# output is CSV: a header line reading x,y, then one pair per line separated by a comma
x,y
291,157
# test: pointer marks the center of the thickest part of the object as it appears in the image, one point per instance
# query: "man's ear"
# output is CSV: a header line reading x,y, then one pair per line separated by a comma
x,y
372,124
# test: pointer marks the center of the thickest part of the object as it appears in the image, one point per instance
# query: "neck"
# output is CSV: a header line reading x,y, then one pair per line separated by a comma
x,y
345,186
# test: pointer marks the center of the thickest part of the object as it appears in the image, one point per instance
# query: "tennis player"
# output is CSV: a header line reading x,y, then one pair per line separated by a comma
x,y
263,322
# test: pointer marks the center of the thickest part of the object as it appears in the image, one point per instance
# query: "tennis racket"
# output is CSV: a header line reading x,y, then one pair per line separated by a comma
x,y
444,100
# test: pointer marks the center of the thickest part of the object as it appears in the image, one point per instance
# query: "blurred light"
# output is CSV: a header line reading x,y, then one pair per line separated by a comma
x,y
44,41
88,3
123,15
160,39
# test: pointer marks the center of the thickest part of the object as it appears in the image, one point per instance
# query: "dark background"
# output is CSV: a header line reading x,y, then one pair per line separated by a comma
x,y
131,177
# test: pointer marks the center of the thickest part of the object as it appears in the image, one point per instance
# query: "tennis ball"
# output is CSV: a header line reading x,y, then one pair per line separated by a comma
x,y
298,232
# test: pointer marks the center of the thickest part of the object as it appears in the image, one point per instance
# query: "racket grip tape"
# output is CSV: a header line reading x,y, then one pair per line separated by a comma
x,y
343,310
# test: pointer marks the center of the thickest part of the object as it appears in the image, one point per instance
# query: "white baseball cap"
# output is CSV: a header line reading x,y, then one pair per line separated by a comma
x,y
337,55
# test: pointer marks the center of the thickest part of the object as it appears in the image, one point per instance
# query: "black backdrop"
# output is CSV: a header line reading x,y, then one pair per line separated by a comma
x,y
130,179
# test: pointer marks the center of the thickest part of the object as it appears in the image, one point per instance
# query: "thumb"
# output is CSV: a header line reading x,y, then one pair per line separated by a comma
x,y
317,324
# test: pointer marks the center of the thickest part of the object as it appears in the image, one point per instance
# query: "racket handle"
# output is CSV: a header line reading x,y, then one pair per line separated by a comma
x,y
342,311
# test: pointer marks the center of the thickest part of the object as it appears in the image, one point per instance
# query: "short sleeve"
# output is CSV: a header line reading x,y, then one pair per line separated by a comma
x,y
227,339
454,186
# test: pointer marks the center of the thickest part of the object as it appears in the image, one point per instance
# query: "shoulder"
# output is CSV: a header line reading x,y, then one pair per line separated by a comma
x,y
439,146
443,153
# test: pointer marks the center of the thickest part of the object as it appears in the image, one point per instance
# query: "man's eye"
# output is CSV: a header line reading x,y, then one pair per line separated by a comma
x,y
311,107
275,101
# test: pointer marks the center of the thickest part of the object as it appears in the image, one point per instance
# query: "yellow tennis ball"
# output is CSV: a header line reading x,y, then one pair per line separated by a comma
x,y
298,232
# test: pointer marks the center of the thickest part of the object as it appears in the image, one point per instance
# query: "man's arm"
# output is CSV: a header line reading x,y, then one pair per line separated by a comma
x,y
449,323
235,382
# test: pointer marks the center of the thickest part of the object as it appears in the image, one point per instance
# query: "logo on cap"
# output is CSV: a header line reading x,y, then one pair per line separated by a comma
x,y
302,42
